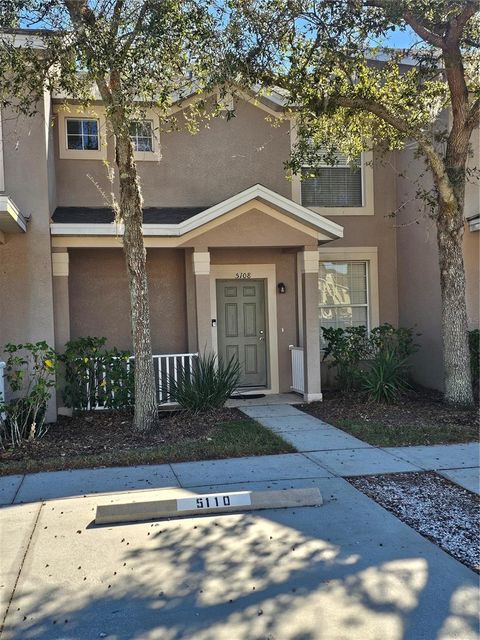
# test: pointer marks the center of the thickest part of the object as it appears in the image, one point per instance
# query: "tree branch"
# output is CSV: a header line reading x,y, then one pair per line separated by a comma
x,y
435,39
117,15
457,24
421,30
434,159
138,24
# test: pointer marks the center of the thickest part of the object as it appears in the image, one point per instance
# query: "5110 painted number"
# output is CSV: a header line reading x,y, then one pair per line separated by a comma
x,y
213,501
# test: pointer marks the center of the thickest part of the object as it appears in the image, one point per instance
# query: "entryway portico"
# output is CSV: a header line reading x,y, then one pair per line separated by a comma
x,y
247,283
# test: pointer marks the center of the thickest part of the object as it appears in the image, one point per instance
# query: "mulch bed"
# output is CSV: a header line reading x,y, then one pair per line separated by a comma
x,y
443,512
96,432
417,409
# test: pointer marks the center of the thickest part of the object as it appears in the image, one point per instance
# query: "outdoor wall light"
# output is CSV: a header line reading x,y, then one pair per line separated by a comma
x,y
281,287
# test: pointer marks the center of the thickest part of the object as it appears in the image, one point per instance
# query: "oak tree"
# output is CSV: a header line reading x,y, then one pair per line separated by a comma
x,y
133,55
348,91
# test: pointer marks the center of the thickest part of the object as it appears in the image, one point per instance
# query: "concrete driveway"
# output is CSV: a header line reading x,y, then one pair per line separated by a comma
x,y
348,570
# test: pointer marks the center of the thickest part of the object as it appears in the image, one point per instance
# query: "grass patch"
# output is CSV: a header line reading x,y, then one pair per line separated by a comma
x,y
382,435
232,439
418,418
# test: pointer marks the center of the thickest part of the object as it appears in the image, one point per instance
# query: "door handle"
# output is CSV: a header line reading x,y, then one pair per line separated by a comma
x,y
261,338
261,332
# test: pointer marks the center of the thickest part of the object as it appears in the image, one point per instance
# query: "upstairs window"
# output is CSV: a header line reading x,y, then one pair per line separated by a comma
x,y
340,185
82,134
343,294
141,135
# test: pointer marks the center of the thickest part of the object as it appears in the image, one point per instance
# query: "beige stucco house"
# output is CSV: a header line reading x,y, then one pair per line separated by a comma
x,y
241,259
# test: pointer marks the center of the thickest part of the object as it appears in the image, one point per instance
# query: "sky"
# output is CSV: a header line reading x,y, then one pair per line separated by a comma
x,y
400,39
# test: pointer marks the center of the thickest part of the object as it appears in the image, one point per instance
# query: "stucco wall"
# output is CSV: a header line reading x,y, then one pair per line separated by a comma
x,y
419,275
252,228
26,305
100,303
377,230
222,159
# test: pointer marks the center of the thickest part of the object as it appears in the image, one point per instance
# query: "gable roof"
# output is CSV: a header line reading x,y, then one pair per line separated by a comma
x,y
62,225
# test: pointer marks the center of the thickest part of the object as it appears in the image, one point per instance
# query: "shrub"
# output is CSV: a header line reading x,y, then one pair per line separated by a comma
x,y
30,376
386,337
207,386
386,377
348,348
474,344
376,363
96,376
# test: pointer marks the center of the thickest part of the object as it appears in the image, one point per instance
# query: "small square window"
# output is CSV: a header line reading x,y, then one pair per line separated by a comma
x,y
82,134
141,134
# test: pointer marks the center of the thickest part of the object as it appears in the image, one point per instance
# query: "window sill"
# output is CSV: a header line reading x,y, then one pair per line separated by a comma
x,y
146,156
343,211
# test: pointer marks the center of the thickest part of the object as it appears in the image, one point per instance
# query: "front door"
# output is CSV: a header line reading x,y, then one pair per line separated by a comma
x,y
242,328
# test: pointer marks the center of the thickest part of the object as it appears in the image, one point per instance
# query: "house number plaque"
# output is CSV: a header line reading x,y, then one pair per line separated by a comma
x,y
243,275
214,500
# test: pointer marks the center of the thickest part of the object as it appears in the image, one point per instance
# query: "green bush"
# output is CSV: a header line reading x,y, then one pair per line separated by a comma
x,y
474,344
207,386
30,377
375,363
348,348
96,376
386,377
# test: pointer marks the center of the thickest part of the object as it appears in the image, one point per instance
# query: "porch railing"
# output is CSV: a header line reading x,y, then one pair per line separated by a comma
x,y
298,381
167,367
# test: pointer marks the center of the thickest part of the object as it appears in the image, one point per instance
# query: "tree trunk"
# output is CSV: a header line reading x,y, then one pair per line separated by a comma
x,y
456,357
146,411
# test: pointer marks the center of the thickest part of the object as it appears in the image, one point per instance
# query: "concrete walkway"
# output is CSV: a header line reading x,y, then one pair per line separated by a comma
x,y
343,455
347,570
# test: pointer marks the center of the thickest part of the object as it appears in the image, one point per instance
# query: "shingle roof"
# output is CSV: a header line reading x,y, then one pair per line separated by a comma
x,y
104,215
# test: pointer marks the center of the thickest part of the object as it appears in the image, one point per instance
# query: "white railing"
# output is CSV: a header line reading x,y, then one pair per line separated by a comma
x,y
167,367
298,381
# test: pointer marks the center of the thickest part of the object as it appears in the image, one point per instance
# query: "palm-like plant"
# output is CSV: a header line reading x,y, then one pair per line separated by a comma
x,y
207,386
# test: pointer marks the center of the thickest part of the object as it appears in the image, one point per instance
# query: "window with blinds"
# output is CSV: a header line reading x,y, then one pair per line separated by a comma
x,y
337,186
343,294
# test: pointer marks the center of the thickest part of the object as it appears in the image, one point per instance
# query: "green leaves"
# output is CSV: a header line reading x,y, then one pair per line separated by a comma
x,y
96,376
30,376
375,362
207,386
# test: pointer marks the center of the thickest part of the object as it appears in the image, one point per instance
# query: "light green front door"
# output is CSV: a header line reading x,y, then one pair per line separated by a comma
x,y
242,328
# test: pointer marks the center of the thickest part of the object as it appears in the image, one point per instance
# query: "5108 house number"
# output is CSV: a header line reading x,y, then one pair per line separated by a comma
x,y
242,275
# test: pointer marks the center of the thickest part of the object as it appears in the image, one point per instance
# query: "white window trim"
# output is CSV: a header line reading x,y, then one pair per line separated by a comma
x,y
76,113
83,119
155,154
359,254
368,206
353,305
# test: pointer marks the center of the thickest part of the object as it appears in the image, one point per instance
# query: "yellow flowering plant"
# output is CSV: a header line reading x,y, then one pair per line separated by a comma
x,y
30,378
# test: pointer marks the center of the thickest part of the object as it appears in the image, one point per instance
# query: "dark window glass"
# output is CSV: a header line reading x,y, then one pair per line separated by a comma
x,y
82,135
